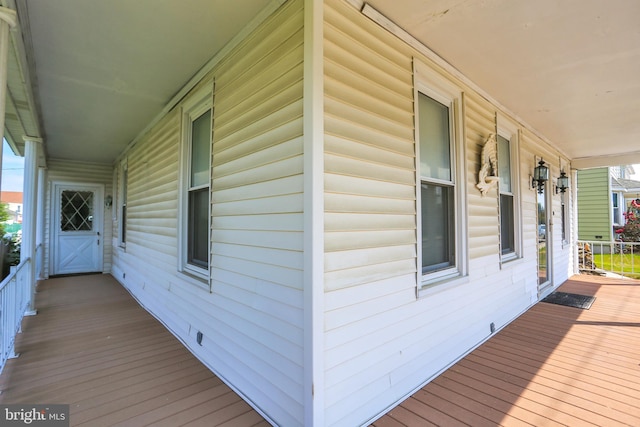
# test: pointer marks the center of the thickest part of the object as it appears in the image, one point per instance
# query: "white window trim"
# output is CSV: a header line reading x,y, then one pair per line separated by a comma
x,y
434,85
122,170
194,106
511,132
618,220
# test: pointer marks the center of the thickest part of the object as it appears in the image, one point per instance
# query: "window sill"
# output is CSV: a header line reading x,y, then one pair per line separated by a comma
x,y
510,260
442,284
196,276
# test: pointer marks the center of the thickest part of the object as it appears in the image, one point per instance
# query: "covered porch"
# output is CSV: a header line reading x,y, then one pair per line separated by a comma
x,y
103,103
92,346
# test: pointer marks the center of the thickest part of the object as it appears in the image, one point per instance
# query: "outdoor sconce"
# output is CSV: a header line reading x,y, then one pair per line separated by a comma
x,y
563,183
108,201
540,176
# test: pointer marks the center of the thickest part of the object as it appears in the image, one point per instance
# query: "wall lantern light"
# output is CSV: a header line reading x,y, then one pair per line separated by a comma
x,y
108,201
540,176
563,183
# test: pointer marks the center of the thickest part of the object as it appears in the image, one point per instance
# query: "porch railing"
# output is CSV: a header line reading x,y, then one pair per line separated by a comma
x,y
39,261
617,257
14,301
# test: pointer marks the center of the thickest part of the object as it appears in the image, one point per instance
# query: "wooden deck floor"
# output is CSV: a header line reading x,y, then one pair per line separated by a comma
x,y
553,366
93,347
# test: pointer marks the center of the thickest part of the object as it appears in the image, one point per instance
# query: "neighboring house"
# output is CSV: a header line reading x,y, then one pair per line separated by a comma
x,y
604,195
303,214
13,199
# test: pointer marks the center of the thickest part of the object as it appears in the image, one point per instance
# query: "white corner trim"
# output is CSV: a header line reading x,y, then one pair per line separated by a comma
x,y
313,214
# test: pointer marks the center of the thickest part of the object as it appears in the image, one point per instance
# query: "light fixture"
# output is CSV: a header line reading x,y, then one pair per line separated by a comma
x,y
563,183
108,201
540,176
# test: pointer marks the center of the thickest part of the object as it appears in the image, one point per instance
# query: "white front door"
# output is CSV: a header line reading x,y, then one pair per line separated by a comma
x,y
77,228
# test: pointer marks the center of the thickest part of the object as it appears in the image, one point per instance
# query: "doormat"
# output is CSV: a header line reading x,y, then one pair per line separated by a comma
x,y
570,300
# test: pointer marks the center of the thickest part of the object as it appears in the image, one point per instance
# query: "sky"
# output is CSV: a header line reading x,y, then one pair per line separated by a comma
x,y
12,169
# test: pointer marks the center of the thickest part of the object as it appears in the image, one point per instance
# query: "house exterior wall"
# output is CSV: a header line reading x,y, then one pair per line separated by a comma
x,y
382,336
381,340
594,205
251,311
82,173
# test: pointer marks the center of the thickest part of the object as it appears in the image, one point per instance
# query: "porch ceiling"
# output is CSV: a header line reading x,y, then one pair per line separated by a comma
x,y
104,70
570,69
101,71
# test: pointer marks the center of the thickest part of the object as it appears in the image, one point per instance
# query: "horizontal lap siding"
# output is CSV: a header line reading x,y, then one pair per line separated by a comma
x,y
251,319
370,206
257,204
593,204
484,226
152,207
380,340
62,170
369,159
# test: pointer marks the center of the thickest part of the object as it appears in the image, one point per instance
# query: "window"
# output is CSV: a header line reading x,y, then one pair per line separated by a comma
x,y
507,142
617,214
197,121
507,219
437,187
563,218
440,222
123,205
564,206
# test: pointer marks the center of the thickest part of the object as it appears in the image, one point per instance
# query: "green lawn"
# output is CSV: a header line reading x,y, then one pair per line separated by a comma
x,y
624,264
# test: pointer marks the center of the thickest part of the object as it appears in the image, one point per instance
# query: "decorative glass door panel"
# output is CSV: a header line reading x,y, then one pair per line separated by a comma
x,y
77,210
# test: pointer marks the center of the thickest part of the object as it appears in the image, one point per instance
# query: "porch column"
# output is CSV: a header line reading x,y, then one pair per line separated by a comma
x,y
42,179
29,217
8,20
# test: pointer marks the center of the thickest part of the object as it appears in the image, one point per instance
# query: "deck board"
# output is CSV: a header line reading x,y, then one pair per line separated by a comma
x,y
554,365
92,346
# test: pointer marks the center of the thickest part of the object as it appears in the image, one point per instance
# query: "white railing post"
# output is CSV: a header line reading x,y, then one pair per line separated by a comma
x,y
14,300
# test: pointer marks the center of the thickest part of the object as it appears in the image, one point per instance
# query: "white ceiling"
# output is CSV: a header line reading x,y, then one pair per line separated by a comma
x,y
569,68
105,69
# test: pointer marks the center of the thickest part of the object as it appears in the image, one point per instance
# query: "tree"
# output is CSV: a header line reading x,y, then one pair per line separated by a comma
x,y
4,216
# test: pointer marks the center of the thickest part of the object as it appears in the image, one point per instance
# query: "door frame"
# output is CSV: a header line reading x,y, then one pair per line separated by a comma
x,y
545,287
54,215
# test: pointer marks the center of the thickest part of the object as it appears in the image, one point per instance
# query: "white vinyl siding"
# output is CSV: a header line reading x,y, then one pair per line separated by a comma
x,y
252,316
382,338
121,179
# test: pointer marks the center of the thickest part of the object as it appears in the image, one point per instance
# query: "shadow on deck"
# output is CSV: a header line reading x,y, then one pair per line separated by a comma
x,y
554,365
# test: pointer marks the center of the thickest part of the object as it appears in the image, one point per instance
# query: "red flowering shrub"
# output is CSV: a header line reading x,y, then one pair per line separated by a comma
x,y
631,230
